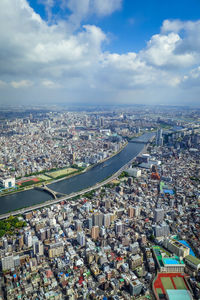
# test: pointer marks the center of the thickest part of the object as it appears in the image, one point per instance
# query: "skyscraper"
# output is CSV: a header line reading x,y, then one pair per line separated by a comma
x,y
159,138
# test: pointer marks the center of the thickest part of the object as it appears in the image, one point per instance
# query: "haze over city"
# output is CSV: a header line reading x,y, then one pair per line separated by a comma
x,y
93,51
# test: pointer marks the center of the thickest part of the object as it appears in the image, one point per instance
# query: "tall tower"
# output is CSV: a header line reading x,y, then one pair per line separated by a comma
x,y
159,138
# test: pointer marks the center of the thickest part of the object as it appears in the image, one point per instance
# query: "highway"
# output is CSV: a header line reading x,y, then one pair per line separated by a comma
x,y
72,195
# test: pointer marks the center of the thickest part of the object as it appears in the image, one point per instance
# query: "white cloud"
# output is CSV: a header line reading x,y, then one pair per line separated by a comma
x,y
161,51
21,84
50,84
44,56
82,9
106,7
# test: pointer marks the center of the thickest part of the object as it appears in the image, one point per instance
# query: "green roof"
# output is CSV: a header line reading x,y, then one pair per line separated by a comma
x,y
193,260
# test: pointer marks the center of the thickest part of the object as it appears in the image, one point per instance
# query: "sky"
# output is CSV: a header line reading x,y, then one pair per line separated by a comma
x,y
99,52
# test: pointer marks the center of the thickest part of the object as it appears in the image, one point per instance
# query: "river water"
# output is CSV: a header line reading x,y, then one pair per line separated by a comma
x,y
75,183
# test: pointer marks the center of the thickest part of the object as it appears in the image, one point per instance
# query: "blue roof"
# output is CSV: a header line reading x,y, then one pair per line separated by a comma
x,y
171,192
179,295
170,261
187,245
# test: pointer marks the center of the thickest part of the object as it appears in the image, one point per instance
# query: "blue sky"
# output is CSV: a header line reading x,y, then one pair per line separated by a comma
x,y
133,25
100,51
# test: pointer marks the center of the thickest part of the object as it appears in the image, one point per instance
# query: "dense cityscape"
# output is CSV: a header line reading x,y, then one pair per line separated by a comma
x,y
136,237
99,150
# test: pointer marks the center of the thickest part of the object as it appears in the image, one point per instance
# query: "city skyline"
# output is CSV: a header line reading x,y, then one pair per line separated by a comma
x,y
118,52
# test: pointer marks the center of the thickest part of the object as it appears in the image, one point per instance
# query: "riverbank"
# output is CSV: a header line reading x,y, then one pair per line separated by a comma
x,y
76,194
51,181
81,182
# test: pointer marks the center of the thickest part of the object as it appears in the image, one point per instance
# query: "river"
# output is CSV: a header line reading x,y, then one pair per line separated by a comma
x,y
76,183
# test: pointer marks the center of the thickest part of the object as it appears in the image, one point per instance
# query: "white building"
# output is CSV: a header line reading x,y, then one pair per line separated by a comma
x,y
7,182
134,172
28,239
7,263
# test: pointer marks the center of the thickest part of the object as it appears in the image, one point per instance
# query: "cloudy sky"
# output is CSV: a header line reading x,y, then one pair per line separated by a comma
x,y
100,51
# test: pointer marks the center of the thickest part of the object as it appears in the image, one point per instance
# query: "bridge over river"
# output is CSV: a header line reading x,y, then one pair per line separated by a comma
x,y
45,188
68,188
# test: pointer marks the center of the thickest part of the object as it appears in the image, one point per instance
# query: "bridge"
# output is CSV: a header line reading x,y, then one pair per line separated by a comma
x,y
53,193
70,196
138,142
141,141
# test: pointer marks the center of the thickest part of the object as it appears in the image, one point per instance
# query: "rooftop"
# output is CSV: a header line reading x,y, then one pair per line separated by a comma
x,y
178,295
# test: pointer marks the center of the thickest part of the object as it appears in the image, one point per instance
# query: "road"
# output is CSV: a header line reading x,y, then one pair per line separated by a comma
x,y
72,195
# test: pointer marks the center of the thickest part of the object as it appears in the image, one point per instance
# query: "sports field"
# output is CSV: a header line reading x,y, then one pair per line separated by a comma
x,y
44,177
179,283
28,181
168,281
63,172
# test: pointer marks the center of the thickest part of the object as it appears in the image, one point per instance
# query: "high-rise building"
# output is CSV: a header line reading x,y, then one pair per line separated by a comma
x,y
159,138
130,181
89,223
161,230
119,228
5,243
28,239
7,262
131,212
97,220
101,121
107,203
102,231
48,233
38,247
95,232
136,210
21,241
56,249
158,214
42,233
106,220
81,238
78,225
